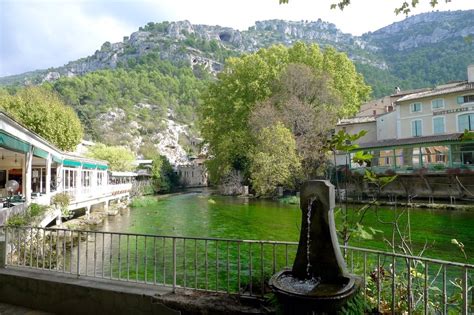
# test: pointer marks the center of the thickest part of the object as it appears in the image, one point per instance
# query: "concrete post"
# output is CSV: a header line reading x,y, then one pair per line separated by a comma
x,y
106,205
88,211
28,172
59,220
3,249
59,178
48,175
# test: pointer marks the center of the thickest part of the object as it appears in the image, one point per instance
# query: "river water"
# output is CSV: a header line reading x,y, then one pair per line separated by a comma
x,y
200,214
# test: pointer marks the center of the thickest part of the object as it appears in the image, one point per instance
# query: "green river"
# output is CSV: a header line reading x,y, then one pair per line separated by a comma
x,y
200,214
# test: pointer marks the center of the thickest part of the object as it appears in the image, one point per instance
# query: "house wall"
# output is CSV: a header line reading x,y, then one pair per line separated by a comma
x,y
371,136
194,175
450,112
386,126
354,128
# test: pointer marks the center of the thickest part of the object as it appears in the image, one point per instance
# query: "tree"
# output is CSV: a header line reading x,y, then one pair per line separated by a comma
x,y
248,81
119,158
275,161
306,106
405,6
41,111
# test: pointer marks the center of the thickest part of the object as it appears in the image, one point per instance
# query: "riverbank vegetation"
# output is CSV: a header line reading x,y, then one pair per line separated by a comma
x,y
303,88
143,202
29,217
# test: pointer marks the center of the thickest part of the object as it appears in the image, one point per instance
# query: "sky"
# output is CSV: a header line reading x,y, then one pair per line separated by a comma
x,y
39,34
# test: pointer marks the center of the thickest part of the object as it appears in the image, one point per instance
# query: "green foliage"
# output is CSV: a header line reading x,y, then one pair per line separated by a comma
x,y
146,79
274,161
119,158
35,210
143,202
356,305
169,180
378,180
17,220
61,201
467,135
249,80
361,157
343,141
41,111
290,200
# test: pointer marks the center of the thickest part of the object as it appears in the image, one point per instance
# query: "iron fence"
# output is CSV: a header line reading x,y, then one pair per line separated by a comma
x,y
391,282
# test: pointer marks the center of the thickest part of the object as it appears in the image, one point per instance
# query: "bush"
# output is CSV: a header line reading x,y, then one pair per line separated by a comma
x,y
290,200
62,201
143,202
35,210
17,220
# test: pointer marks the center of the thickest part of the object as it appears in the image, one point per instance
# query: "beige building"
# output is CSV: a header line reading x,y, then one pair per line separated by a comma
x,y
446,109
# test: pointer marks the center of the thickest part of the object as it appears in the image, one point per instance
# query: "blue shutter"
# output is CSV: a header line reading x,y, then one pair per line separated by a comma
x,y
463,122
460,100
438,125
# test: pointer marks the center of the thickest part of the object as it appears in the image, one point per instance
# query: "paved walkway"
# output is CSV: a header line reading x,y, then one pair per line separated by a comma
x,y
7,309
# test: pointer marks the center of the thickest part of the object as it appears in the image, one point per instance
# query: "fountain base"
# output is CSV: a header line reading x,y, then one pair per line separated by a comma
x,y
308,296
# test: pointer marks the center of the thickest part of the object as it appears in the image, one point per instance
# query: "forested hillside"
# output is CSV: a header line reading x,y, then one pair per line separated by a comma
x,y
146,88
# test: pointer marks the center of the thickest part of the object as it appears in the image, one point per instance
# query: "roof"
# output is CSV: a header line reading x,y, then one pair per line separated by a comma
x,y
439,90
411,141
124,174
356,120
406,92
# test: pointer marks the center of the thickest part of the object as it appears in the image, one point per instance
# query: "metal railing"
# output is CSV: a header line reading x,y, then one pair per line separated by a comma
x,y
391,282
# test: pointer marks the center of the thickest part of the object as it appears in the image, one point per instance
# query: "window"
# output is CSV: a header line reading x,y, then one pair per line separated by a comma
x,y
415,107
466,121
438,125
416,128
465,99
437,104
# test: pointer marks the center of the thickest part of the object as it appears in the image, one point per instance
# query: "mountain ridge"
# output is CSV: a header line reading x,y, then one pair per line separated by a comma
x,y
174,41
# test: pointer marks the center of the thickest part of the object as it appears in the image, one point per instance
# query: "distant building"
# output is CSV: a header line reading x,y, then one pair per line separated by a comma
x,y
194,174
422,136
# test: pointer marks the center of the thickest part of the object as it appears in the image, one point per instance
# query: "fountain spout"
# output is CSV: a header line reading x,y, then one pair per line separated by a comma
x,y
318,255
318,281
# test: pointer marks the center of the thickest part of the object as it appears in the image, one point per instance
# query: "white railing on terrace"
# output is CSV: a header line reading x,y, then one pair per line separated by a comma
x,y
87,193
391,283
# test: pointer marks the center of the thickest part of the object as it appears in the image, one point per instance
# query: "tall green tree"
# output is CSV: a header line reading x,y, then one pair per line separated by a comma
x,y
43,112
274,161
250,80
119,158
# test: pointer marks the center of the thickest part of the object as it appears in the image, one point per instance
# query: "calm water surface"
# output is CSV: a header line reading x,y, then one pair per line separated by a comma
x,y
205,215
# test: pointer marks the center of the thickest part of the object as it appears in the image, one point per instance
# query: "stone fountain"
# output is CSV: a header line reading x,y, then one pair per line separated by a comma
x,y
319,281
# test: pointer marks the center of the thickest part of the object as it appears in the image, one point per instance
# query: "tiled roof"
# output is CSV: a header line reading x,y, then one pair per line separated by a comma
x,y
411,141
441,90
356,120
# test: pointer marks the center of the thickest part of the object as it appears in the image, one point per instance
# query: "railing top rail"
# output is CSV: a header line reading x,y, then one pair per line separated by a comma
x,y
158,236
424,259
366,250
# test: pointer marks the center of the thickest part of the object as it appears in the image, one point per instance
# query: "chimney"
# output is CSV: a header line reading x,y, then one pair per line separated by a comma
x,y
470,73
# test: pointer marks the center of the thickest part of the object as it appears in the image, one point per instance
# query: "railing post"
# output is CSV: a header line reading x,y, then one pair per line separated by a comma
x,y
3,247
174,265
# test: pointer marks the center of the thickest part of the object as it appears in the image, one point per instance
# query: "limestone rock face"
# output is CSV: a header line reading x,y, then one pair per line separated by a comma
x,y
174,42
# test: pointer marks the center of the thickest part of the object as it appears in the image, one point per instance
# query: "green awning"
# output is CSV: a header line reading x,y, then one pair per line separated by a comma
x,y
9,142
72,163
89,165
40,153
57,159
102,167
